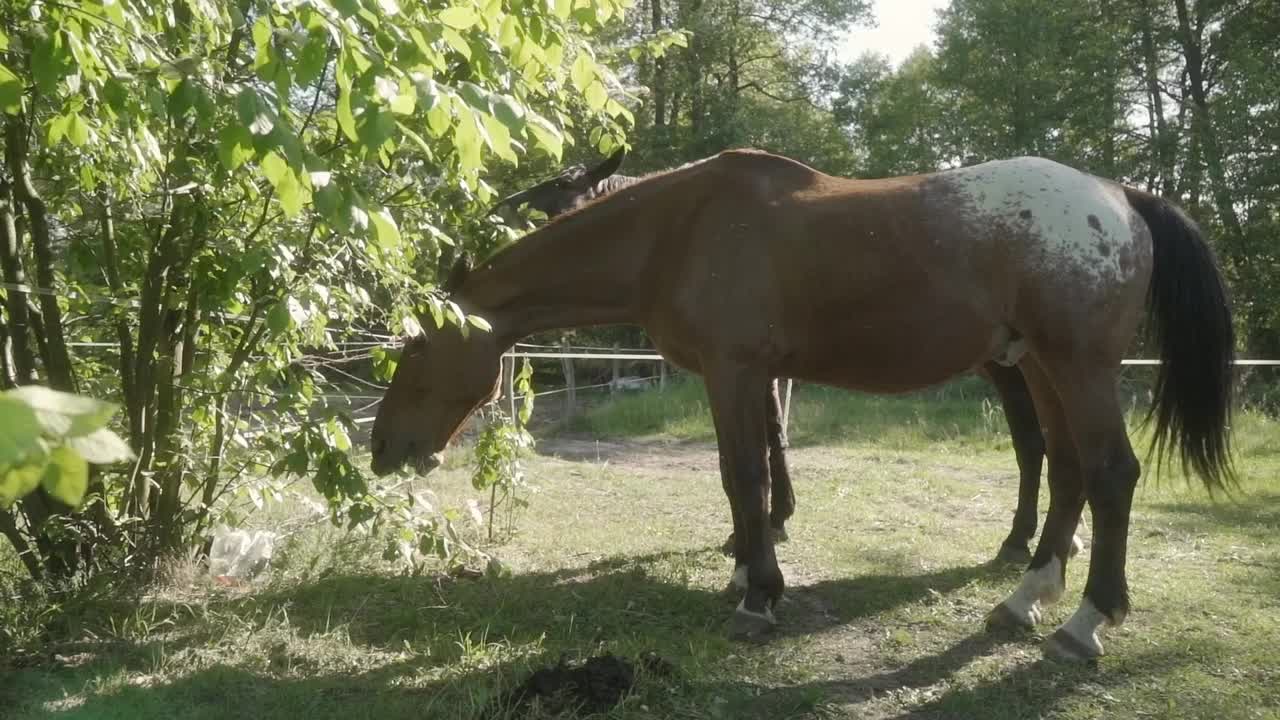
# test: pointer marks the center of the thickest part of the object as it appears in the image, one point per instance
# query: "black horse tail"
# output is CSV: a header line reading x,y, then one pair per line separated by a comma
x,y
1191,324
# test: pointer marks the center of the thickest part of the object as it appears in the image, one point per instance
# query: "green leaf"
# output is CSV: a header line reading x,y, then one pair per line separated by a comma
x,y
274,168
88,181
293,195
417,140
457,42
475,96
17,482
278,319
563,8
386,233
376,128
548,137
50,62
439,120
19,431
64,414
509,113
583,72
261,31
312,58
509,35
235,147
404,103
459,17
66,477
384,363
254,113
11,89
499,138
101,447
78,130
596,95
467,142
57,128
346,120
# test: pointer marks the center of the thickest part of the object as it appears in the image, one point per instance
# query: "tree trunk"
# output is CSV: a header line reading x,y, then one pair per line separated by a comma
x,y
19,344
60,374
1161,147
111,269
1202,124
659,77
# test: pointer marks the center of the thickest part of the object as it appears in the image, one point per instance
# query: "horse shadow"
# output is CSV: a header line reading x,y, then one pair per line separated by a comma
x,y
435,625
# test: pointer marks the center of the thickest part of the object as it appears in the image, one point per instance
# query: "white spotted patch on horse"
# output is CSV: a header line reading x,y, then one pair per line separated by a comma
x,y
1079,220
1040,585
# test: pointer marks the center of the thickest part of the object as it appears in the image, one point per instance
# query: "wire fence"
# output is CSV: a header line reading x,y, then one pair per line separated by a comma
x,y
357,346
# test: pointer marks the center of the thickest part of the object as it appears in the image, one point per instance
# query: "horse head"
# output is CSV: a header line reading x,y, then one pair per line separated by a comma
x,y
443,376
573,187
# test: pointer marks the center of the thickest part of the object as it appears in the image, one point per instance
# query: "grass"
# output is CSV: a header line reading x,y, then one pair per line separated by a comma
x,y
902,503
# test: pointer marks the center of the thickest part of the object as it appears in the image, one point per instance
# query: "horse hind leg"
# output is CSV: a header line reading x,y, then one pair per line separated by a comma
x,y
1110,472
1044,582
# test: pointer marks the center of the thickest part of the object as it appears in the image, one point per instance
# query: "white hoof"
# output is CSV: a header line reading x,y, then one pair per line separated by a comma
x,y
749,624
1042,586
1003,616
1077,640
1077,546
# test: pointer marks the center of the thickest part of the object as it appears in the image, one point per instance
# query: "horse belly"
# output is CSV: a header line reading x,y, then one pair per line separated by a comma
x,y
899,351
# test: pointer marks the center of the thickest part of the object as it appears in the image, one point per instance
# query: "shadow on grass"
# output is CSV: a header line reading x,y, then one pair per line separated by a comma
x,y
444,627
446,648
1254,512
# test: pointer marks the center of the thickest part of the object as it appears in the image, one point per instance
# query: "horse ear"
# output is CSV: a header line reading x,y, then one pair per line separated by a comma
x,y
608,166
458,275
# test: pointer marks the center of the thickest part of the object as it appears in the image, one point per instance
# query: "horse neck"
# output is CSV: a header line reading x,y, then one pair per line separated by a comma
x,y
577,272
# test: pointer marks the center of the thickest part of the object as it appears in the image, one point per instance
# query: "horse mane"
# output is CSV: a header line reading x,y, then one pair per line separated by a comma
x,y
639,188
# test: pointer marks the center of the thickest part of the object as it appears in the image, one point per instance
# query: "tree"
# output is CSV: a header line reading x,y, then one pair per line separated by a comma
x,y
225,191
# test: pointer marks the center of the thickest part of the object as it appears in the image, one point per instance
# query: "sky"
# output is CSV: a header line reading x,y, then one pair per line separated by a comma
x,y
901,26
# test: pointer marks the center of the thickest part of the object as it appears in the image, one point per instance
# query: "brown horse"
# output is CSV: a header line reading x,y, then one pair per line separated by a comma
x,y
749,266
577,185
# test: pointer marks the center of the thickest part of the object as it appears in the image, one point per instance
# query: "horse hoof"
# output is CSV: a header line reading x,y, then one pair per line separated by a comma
x,y
1003,617
1077,546
727,548
1014,555
779,535
738,583
1066,647
748,625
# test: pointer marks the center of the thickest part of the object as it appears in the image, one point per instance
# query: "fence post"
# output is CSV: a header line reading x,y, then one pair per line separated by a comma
x,y
509,379
786,412
571,388
662,375
617,370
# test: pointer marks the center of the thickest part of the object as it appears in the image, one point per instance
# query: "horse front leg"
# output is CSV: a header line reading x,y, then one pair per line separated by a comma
x,y
738,408
1028,447
782,497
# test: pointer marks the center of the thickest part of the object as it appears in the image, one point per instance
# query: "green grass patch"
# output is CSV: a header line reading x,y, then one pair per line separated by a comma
x,y
889,576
